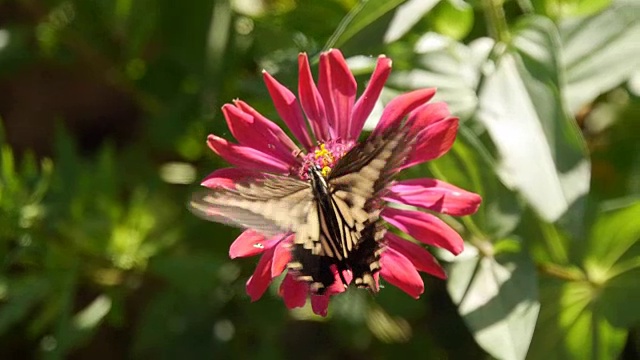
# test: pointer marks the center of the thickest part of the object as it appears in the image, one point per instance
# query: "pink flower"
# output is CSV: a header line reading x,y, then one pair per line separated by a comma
x,y
336,119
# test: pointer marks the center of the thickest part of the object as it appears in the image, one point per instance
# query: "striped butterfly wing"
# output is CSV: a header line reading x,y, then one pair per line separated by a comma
x,y
271,205
366,170
344,229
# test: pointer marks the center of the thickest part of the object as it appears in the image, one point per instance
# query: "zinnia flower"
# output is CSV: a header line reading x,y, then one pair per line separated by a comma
x,y
336,120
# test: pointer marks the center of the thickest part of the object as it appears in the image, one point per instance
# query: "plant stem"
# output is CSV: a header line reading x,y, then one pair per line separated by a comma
x,y
561,272
496,20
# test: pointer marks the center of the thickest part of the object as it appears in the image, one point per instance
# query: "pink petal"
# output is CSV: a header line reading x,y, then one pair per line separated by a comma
x,y
421,259
324,87
400,106
400,272
261,278
228,177
433,142
337,286
251,243
320,304
281,256
283,139
293,292
259,133
428,114
288,109
425,228
367,101
311,100
343,90
246,157
434,195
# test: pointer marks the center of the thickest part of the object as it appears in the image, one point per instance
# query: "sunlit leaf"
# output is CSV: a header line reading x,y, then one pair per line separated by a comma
x,y
570,327
498,299
361,16
406,16
452,67
541,150
612,258
586,310
92,315
601,51
463,166
453,18
569,8
388,328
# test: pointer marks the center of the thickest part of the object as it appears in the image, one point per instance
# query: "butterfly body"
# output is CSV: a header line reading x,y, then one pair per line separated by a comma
x,y
335,217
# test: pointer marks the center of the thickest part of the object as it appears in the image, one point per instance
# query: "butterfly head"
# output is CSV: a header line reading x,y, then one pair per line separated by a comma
x,y
317,179
315,172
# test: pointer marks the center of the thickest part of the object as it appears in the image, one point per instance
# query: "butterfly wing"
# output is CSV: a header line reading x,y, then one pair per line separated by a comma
x,y
270,205
366,170
347,220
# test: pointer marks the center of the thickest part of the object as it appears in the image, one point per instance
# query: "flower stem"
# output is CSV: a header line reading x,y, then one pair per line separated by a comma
x,y
473,228
496,20
561,272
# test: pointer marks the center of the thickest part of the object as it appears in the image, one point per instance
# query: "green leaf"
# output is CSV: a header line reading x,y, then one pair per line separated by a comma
x,y
361,16
453,18
583,7
498,299
613,238
585,312
65,333
452,67
542,153
568,8
601,51
204,271
463,166
19,297
612,258
571,327
406,16
387,328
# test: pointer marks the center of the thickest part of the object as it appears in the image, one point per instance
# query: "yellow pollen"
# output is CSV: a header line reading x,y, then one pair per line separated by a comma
x,y
325,171
322,152
325,156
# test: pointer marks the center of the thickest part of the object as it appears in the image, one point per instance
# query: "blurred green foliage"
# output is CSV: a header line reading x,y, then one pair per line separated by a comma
x,y
105,106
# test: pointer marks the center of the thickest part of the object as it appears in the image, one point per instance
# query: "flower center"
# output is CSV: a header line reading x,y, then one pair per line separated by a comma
x,y
324,156
324,159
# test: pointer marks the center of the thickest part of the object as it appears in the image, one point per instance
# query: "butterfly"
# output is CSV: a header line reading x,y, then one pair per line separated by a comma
x,y
335,218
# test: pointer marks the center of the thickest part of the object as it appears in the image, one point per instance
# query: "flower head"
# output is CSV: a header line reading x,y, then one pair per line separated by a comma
x,y
334,116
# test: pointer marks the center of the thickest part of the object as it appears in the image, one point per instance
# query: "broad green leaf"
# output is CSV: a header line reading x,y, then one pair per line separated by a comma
x,y
613,238
568,8
612,259
498,298
452,67
541,150
406,16
361,16
463,166
570,325
600,52
585,312
634,83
